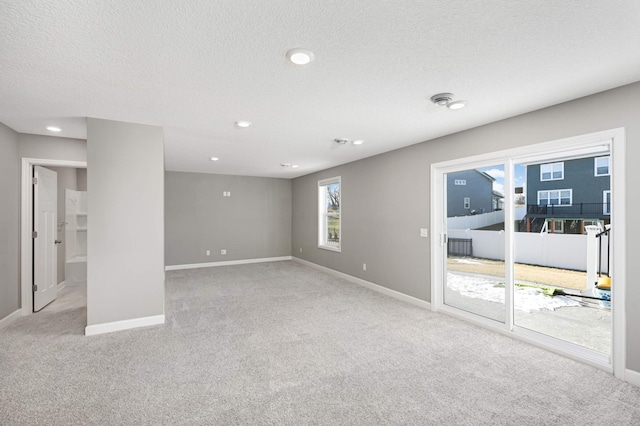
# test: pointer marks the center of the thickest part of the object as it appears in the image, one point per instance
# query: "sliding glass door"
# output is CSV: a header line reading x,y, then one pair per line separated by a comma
x,y
474,267
561,249
525,242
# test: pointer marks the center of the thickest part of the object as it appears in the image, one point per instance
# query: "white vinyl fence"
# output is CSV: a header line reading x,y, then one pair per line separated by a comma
x,y
475,221
567,251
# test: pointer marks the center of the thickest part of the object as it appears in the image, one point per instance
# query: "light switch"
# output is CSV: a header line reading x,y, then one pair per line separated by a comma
x,y
424,232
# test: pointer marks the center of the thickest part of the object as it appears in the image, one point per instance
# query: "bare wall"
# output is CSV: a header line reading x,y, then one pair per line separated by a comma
x,y
386,198
52,148
9,221
125,239
254,222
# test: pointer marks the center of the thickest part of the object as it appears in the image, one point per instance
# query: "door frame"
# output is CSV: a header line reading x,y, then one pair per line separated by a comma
x,y
26,219
617,362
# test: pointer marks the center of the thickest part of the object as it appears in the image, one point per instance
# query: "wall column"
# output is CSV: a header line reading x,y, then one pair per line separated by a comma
x,y
125,238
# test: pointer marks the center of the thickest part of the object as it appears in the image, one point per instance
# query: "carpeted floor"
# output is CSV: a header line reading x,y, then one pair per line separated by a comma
x,y
284,344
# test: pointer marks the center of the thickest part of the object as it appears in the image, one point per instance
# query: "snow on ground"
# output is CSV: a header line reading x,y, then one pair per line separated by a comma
x,y
526,299
468,261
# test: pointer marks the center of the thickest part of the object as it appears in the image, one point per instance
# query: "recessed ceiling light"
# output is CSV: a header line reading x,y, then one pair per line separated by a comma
x,y
294,166
300,56
214,158
243,124
456,104
358,142
54,129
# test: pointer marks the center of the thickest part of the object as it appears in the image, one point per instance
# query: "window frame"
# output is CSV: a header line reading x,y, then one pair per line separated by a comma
x,y
595,165
551,171
559,198
323,215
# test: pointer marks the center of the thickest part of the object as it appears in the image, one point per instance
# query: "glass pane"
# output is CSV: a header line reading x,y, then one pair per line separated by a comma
x,y
333,198
552,292
333,230
475,273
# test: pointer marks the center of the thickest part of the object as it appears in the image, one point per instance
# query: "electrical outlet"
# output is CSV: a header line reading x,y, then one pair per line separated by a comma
x,y
300,249
223,251
208,252
364,266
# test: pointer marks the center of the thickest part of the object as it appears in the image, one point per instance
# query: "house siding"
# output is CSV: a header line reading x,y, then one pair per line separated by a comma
x,y
478,188
579,176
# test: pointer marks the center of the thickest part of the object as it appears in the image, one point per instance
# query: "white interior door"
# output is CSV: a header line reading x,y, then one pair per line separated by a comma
x,y
45,206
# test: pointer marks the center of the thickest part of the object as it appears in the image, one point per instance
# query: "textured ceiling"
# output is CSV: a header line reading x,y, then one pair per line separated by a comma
x,y
196,67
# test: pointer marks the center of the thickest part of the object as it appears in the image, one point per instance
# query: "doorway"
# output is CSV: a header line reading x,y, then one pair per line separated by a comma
x,y
27,217
516,244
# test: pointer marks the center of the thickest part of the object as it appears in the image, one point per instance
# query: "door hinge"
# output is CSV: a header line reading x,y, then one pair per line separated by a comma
x,y
34,234
34,180
34,287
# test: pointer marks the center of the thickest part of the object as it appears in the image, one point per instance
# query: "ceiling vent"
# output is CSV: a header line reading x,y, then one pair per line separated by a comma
x,y
446,99
442,99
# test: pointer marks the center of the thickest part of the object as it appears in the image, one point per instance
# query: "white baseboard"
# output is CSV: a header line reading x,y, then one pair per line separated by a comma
x,y
375,287
10,318
632,377
61,285
225,263
109,327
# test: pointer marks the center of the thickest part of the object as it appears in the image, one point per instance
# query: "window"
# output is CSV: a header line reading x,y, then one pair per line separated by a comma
x,y
601,166
329,229
557,226
558,197
460,182
552,171
606,202
467,203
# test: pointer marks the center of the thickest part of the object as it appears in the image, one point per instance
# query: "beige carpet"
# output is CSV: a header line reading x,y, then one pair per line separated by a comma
x,y
284,344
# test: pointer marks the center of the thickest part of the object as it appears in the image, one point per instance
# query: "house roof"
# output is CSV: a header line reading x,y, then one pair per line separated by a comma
x,y
196,68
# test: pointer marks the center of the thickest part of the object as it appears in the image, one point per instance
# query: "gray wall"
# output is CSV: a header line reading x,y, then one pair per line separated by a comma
x,y
9,221
125,239
255,222
388,241
52,148
81,177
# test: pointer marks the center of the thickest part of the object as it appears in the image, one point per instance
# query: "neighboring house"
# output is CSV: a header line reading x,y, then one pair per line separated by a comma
x,y
568,195
471,192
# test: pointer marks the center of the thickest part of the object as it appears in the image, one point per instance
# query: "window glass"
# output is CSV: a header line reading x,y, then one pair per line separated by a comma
x,y
602,166
560,197
552,171
329,220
